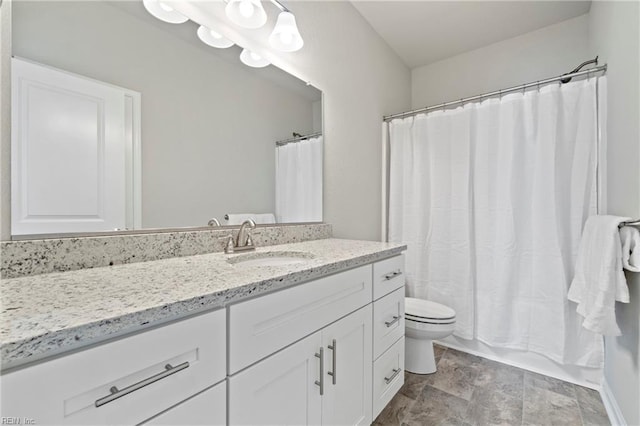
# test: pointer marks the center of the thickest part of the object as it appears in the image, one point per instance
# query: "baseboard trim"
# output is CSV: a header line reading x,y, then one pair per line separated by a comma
x,y
492,357
611,405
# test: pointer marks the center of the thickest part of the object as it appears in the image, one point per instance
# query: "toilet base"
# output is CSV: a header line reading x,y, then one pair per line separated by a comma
x,y
418,356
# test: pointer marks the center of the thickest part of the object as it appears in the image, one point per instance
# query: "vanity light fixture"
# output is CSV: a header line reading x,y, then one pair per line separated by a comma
x,y
285,36
246,13
252,59
164,12
212,38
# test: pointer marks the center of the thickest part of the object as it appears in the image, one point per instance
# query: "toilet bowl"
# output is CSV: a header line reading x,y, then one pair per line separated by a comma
x,y
424,322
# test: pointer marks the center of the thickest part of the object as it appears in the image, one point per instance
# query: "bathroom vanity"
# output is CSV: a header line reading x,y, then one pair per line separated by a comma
x,y
303,333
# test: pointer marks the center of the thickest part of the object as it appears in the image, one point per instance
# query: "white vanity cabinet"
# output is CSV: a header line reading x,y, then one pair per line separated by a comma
x,y
329,351
324,378
206,408
325,352
126,381
388,331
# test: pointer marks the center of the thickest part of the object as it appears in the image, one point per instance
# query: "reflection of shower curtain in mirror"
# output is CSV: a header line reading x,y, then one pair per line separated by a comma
x,y
299,181
491,199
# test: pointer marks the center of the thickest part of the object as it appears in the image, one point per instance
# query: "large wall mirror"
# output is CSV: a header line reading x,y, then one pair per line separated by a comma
x,y
123,122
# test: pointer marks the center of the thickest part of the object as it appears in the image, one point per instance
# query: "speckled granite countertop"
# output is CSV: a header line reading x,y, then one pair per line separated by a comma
x,y
44,315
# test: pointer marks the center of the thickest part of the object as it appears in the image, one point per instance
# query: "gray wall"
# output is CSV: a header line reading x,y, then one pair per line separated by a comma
x,y
533,56
614,34
209,124
361,78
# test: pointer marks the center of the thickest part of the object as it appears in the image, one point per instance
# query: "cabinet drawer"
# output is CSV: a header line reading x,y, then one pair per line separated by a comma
x,y
388,275
206,408
388,376
73,389
259,327
388,321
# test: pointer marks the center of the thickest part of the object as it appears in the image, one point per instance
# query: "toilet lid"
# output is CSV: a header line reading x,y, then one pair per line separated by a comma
x,y
421,309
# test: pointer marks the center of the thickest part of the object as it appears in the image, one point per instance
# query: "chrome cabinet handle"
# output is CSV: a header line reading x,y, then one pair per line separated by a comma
x,y
333,348
392,275
388,380
119,393
395,319
321,382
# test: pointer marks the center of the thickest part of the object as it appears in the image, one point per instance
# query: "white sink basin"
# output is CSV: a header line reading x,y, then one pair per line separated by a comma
x,y
271,258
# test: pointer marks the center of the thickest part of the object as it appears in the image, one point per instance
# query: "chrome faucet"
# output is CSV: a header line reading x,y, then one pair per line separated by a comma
x,y
243,241
244,238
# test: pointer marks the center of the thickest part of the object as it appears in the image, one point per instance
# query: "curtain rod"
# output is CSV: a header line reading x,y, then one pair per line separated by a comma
x,y
298,138
497,92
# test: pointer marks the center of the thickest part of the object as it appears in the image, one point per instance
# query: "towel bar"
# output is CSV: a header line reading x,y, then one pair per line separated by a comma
x,y
630,223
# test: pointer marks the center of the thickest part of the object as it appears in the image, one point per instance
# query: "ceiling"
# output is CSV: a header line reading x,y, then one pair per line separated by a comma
x,y
423,32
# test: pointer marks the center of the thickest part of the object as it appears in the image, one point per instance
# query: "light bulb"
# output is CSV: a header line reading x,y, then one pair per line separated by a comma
x,y
165,7
164,12
286,37
253,59
246,13
213,38
246,8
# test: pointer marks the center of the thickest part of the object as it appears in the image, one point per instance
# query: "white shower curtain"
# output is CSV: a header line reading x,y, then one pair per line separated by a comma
x,y
299,181
491,198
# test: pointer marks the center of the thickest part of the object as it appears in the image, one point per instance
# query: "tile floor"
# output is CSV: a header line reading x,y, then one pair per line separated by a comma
x,y
469,390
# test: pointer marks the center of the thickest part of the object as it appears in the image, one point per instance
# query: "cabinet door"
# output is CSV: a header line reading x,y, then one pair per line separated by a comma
x,y
206,408
280,390
348,356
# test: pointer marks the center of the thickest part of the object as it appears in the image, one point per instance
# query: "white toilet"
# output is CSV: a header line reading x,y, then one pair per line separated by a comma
x,y
424,322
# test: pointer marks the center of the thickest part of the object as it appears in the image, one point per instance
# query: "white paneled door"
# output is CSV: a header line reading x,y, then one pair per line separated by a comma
x,y
73,152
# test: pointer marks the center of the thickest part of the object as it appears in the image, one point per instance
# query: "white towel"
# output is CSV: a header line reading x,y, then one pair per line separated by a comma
x,y
630,238
258,218
599,280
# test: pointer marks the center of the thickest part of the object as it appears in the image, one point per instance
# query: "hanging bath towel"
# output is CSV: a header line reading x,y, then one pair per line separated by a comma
x,y
599,280
630,237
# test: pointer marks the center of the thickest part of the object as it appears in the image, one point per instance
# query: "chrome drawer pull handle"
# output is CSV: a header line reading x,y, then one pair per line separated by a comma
x,y
334,348
392,275
395,319
119,393
321,382
396,371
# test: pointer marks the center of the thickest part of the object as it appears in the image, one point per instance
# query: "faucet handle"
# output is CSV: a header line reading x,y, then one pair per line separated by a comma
x,y
229,247
249,241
